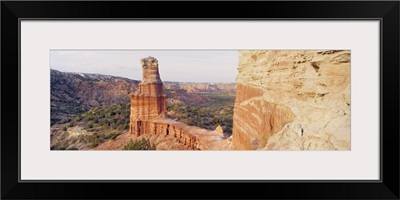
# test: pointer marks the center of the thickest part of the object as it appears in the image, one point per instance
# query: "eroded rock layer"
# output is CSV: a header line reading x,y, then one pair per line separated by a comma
x,y
149,101
186,137
293,100
148,119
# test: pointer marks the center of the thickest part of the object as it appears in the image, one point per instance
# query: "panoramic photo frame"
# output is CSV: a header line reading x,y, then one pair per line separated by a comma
x,y
300,100
265,180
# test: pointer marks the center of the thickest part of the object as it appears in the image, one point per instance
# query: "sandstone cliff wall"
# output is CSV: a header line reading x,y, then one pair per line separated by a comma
x,y
292,100
147,107
168,128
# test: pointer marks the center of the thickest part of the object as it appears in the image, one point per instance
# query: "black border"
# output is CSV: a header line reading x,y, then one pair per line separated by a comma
x,y
387,12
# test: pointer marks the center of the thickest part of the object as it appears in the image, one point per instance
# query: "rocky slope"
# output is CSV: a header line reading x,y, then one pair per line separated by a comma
x,y
293,100
73,93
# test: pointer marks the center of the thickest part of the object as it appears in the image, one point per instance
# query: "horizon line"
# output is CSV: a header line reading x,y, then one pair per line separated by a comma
x,y
138,80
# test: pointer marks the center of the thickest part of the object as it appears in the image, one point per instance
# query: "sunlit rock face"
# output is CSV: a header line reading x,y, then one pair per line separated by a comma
x,y
292,100
149,102
151,84
148,119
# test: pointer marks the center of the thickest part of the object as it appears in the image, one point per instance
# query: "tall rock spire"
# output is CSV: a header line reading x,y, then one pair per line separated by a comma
x,y
151,83
149,102
150,70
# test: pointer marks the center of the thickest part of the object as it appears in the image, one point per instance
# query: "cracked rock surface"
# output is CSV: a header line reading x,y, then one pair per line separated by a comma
x,y
293,100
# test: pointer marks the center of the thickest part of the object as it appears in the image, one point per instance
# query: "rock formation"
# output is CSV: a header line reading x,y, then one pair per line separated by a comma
x,y
149,102
292,100
218,129
148,118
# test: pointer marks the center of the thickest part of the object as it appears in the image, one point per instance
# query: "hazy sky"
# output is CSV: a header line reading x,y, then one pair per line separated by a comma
x,y
182,66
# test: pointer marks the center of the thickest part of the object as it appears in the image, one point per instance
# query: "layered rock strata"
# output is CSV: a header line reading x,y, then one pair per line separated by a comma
x,y
292,100
148,119
149,102
187,137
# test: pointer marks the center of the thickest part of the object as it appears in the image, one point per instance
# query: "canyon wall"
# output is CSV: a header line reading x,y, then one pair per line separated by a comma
x,y
165,129
168,134
292,100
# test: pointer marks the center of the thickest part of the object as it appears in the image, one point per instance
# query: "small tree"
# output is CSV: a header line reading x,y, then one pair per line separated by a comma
x,y
143,144
90,125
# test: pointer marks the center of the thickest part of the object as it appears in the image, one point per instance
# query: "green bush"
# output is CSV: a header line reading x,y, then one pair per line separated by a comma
x,y
90,125
126,126
105,117
208,114
77,118
143,144
93,145
114,136
60,148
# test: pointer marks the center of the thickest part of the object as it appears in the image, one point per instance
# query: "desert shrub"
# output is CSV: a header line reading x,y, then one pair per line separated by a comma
x,y
88,117
113,116
111,136
90,125
217,111
93,145
126,126
142,144
77,118
106,123
81,138
216,120
60,148
114,136
64,128
63,121
115,126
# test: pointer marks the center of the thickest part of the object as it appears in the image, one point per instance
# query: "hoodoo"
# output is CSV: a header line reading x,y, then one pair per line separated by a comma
x,y
148,117
149,101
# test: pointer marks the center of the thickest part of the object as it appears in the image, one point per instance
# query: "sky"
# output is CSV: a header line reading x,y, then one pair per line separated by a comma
x,y
181,66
